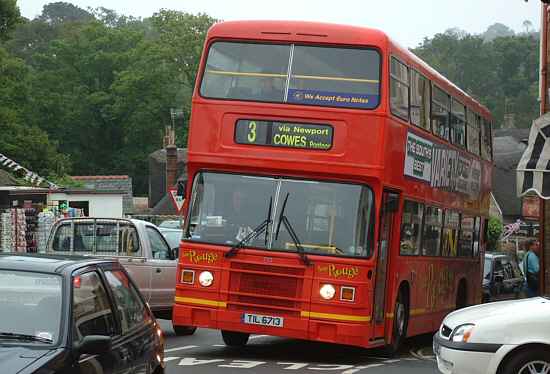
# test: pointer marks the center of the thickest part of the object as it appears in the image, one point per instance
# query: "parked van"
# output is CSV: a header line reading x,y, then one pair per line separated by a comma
x,y
139,247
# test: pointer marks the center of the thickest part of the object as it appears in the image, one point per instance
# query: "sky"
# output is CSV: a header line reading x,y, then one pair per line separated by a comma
x,y
407,21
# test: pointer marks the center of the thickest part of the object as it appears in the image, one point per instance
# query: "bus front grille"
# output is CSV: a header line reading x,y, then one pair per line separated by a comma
x,y
265,289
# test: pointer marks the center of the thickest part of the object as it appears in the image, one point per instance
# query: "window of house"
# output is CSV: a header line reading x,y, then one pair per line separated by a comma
x,y
420,100
451,228
458,123
431,234
411,228
440,112
399,89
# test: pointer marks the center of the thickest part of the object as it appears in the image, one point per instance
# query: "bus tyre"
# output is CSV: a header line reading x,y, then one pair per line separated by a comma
x,y
234,339
400,323
461,297
184,330
528,361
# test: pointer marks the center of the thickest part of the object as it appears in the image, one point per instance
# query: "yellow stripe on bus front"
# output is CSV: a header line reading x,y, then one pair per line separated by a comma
x,y
318,77
244,74
338,317
190,300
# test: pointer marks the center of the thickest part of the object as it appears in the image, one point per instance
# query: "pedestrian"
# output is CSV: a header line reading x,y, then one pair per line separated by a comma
x,y
531,268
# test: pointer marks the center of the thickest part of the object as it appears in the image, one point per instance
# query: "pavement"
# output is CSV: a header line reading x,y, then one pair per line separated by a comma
x,y
204,352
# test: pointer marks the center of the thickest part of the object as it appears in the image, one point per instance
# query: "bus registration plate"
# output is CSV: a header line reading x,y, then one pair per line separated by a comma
x,y
258,319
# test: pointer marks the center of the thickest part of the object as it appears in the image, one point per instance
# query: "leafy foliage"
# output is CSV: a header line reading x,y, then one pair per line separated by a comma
x,y
494,231
98,86
9,17
499,71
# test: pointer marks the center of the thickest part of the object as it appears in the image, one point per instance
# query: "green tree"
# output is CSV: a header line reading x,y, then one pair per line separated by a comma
x,y
21,139
9,17
494,231
502,73
61,12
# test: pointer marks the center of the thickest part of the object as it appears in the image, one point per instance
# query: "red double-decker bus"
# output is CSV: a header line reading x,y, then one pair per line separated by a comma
x,y
338,188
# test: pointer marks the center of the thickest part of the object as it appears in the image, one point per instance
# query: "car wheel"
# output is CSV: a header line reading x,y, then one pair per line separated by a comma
x,y
532,361
234,339
400,323
184,330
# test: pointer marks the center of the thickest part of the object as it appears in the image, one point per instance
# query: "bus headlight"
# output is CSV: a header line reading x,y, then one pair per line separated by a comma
x,y
206,279
327,291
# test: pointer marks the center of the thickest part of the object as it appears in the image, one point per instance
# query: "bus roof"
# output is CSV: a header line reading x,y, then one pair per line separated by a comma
x,y
330,33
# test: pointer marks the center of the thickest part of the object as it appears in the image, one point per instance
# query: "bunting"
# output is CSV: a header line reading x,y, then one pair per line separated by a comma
x,y
29,176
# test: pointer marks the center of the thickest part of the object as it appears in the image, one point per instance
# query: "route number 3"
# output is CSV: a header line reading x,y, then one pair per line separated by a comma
x,y
252,132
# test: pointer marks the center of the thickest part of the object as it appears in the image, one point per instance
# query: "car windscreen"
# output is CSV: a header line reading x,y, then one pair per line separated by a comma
x,y
30,305
289,73
328,218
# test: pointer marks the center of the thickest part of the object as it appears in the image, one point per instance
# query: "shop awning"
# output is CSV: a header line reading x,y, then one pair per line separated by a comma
x,y
533,171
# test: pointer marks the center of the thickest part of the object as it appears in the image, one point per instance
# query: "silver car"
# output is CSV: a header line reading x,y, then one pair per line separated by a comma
x,y
138,245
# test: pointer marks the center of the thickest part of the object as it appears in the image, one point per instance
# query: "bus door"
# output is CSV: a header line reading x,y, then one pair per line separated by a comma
x,y
390,204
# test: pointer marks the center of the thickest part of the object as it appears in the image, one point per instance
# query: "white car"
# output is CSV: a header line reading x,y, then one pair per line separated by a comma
x,y
503,337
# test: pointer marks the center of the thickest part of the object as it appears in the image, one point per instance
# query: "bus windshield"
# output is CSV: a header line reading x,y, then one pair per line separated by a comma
x,y
328,218
297,74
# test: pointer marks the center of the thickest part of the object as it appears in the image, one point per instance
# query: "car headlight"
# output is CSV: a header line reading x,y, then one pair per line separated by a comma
x,y
327,291
462,333
206,279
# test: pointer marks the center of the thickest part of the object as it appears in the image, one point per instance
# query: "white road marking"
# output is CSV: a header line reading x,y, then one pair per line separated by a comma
x,y
331,367
218,345
293,365
391,361
190,361
242,364
180,348
359,368
168,359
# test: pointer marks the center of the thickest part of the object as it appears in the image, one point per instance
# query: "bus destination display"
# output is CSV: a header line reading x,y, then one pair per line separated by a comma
x,y
284,134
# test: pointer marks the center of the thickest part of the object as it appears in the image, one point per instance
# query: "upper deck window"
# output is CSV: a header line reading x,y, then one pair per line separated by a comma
x,y
440,112
307,75
458,123
399,89
420,100
473,132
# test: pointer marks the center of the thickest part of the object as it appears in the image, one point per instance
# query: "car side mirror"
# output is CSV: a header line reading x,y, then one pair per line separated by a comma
x,y
499,278
94,345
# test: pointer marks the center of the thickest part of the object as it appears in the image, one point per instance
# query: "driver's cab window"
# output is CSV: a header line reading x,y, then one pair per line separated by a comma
x,y
159,247
226,208
328,218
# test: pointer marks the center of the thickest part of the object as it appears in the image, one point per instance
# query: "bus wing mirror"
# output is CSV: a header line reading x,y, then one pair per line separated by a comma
x,y
181,189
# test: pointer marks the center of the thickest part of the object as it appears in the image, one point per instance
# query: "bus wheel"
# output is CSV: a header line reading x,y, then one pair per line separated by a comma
x,y
461,296
400,322
184,330
234,339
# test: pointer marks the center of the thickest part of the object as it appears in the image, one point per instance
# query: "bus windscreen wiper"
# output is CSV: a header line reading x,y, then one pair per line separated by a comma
x,y
253,234
283,220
